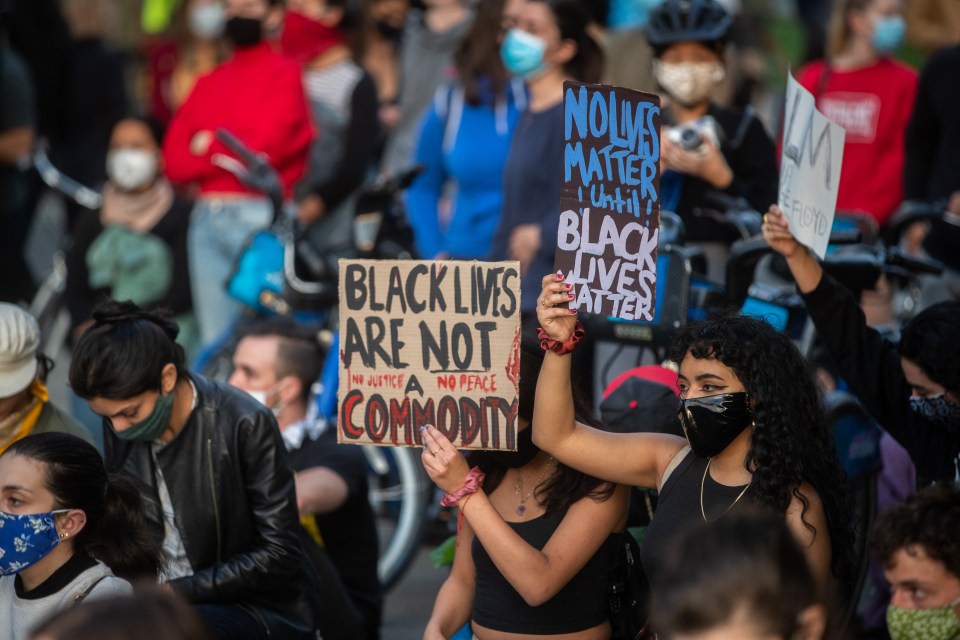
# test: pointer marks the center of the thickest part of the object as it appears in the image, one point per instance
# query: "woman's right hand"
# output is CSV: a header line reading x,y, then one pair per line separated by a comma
x,y
776,232
555,318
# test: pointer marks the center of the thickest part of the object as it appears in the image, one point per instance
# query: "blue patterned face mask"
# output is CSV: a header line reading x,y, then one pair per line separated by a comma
x,y
26,539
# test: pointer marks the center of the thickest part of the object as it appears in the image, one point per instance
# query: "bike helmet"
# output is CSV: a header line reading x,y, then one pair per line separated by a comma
x,y
688,21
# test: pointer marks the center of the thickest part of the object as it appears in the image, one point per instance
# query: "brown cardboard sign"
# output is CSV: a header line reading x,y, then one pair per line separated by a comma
x,y
610,200
429,342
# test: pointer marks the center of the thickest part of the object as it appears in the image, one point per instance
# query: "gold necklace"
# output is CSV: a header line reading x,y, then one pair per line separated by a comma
x,y
518,490
703,481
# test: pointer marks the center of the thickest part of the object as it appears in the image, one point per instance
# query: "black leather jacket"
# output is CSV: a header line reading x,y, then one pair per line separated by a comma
x,y
235,507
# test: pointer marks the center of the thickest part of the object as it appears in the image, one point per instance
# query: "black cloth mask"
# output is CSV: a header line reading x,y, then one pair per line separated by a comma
x,y
526,451
244,32
713,422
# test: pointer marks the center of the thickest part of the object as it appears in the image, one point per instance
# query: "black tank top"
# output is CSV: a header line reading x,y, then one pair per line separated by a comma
x,y
678,508
581,604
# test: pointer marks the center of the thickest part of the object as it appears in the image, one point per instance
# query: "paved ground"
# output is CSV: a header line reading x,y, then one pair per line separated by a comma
x,y
409,603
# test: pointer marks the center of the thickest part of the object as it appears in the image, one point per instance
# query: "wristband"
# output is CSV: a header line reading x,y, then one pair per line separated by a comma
x,y
471,484
560,348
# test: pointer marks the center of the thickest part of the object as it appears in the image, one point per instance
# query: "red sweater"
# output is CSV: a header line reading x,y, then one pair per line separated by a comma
x,y
258,96
873,105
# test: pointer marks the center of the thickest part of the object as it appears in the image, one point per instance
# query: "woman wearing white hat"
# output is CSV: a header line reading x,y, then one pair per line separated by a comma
x,y
25,406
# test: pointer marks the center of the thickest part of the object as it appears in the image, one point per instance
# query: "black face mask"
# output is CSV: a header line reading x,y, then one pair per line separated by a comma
x,y
713,422
244,32
526,451
387,31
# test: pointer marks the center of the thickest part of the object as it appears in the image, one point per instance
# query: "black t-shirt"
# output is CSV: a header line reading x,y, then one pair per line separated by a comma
x,y
350,532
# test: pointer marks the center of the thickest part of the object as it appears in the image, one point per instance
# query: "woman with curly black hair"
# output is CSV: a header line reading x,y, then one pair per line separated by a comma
x,y
756,433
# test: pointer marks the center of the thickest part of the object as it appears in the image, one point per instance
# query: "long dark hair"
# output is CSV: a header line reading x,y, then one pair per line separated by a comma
x,y
116,531
745,563
572,20
564,486
478,58
792,441
124,352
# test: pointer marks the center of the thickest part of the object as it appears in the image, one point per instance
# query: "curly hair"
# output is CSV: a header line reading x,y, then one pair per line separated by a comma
x,y
929,519
930,341
792,442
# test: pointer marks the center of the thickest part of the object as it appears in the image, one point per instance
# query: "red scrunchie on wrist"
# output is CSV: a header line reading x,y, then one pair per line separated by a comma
x,y
560,348
472,484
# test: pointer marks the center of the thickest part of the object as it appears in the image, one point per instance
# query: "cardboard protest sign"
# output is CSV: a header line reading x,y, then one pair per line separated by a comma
x,y
809,169
429,342
610,199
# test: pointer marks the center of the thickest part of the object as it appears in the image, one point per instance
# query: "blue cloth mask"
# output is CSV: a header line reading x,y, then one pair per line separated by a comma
x,y
888,33
26,539
522,54
938,410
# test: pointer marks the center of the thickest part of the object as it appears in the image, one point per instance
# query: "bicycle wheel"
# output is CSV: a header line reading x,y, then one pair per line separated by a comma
x,y
398,493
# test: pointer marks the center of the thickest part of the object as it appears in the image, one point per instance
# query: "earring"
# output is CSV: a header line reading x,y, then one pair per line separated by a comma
x,y
64,535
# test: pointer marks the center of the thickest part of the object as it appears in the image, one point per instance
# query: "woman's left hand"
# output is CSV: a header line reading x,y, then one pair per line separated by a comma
x,y
444,464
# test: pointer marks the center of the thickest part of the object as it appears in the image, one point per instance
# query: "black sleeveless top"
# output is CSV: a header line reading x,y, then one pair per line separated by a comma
x,y
581,604
678,508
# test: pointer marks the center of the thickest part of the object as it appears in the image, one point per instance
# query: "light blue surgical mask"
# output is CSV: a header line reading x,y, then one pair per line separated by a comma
x,y
522,54
888,32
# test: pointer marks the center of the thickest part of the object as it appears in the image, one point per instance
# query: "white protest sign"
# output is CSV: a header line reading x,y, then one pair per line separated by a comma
x,y
809,169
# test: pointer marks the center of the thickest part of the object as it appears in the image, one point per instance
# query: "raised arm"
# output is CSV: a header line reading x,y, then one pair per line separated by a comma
x,y
636,459
805,269
537,575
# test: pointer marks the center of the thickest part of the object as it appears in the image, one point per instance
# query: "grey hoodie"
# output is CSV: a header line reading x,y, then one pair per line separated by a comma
x,y
426,59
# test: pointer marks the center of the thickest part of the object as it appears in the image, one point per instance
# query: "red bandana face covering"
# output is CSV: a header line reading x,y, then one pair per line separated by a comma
x,y
304,38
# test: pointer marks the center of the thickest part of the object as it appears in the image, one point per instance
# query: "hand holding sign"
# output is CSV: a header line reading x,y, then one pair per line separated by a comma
x,y
445,465
555,317
776,231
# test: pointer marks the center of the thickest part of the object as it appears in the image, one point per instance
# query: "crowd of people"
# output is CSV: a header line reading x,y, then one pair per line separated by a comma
x,y
159,502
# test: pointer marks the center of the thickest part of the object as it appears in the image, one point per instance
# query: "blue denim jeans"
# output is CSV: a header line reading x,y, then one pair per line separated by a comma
x,y
219,230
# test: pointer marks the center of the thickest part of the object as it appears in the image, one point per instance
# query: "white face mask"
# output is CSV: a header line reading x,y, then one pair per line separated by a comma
x,y
261,395
131,169
207,20
689,83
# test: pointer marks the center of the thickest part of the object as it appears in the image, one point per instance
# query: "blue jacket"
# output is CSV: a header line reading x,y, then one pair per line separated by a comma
x,y
463,148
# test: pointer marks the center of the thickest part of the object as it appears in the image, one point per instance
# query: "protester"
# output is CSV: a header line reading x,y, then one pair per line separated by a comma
x,y
534,547
257,96
861,88
932,170
343,100
18,128
278,361
737,157
755,434
68,531
917,543
430,38
463,144
381,55
741,578
96,91
25,405
153,614
629,58
911,389
213,472
135,247
194,48
548,46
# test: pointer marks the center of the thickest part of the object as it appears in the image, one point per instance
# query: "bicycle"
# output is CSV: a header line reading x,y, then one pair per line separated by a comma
x,y
307,291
